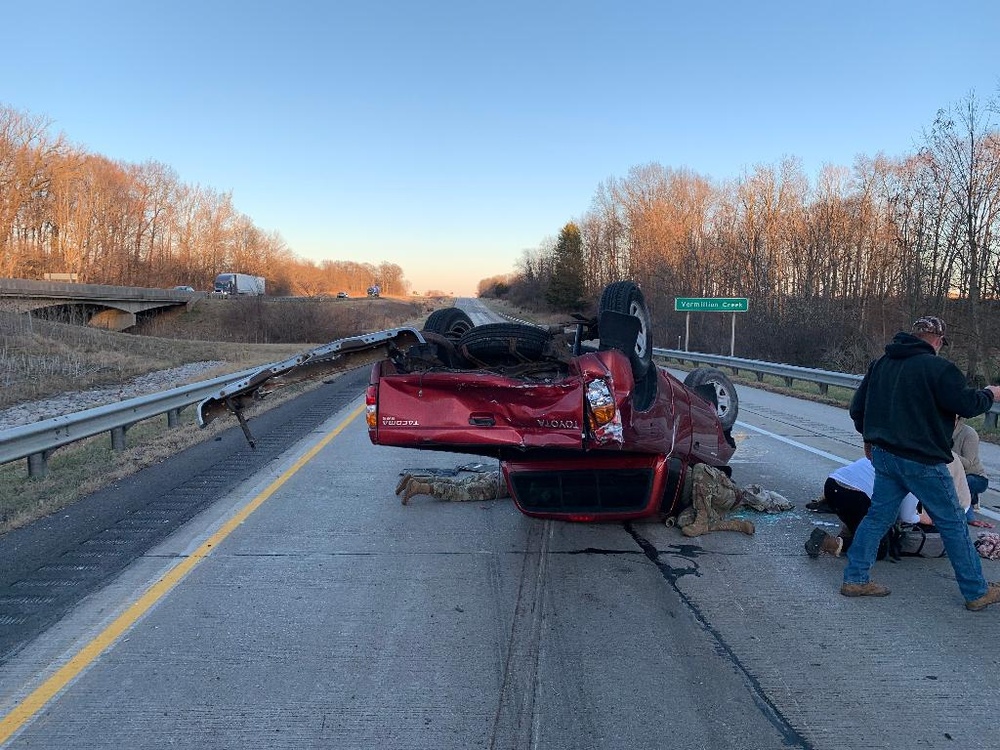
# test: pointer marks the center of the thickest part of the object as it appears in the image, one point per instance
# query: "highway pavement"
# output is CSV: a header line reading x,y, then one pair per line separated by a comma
x,y
306,607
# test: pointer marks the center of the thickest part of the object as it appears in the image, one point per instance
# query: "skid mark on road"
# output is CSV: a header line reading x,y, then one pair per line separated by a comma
x,y
514,721
796,443
800,425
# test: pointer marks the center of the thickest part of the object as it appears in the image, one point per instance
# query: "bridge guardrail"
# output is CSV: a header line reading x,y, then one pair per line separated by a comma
x,y
37,441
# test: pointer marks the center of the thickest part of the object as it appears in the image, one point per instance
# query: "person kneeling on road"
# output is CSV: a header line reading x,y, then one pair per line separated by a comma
x,y
847,492
709,496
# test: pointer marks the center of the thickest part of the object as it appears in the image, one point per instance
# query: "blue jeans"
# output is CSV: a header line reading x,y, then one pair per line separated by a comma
x,y
977,486
933,486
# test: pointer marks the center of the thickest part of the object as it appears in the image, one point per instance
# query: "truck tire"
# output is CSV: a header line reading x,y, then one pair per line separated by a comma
x,y
727,403
449,322
503,344
626,297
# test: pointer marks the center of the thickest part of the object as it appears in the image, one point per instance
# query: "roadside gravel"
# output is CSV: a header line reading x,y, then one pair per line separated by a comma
x,y
67,403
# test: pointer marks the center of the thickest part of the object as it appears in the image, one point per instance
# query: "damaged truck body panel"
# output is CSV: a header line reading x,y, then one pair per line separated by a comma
x,y
474,412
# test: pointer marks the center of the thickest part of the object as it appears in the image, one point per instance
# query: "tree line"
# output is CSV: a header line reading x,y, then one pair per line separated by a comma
x,y
66,210
831,268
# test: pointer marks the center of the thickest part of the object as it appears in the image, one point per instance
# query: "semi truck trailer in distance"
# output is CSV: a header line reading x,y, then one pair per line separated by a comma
x,y
233,284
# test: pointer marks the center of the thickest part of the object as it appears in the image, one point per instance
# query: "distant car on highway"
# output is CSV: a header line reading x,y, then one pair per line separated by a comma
x,y
183,288
341,295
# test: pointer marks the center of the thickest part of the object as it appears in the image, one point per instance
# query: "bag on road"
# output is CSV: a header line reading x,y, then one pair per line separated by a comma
x,y
913,540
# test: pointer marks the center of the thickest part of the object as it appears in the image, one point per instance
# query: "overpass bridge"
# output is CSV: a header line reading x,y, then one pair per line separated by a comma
x,y
115,308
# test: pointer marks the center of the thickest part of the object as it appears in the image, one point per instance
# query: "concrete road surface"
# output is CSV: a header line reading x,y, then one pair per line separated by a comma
x,y
309,608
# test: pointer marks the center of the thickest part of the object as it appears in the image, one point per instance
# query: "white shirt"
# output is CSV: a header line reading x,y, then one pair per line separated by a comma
x,y
860,476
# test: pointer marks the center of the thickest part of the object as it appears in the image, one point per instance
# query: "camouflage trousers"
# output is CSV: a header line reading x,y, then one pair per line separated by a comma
x,y
713,495
488,485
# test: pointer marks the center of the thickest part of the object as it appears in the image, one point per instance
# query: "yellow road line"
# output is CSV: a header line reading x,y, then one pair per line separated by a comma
x,y
83,658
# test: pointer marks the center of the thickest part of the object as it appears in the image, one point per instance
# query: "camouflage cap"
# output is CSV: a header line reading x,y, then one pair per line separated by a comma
x,y
929,324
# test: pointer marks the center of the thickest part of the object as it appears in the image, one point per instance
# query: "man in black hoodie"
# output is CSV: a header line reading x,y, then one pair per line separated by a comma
x,y
905,411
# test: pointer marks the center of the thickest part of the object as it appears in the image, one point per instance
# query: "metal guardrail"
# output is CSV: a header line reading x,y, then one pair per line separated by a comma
x,y
789,373
38,440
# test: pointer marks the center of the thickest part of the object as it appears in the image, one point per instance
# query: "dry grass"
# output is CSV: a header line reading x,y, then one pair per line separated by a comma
x,y
39,359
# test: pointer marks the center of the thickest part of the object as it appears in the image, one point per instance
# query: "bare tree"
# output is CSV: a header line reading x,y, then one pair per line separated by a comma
x,y
964,148
28,154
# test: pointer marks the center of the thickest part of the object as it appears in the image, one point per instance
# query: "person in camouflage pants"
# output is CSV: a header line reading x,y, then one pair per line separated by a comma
x,y
708,494
484,485
712,495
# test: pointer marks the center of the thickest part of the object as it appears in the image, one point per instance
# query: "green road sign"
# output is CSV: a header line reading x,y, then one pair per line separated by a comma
x,y
711,304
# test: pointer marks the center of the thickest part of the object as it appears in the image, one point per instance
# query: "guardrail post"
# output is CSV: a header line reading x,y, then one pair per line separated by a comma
x,y
788,382
118,438
824,388
990,418
173,417
38,464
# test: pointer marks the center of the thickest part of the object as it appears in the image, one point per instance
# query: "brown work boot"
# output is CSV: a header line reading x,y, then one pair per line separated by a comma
x,y
992,596
869,589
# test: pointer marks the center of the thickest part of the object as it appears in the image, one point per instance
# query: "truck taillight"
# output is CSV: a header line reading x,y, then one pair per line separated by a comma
x,y
371,407
603,419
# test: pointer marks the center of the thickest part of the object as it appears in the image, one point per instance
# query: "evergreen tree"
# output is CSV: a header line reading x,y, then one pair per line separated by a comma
x,y
566,287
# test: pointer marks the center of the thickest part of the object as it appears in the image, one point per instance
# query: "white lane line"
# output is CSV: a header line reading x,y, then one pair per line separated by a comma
x,y
789,441
782,439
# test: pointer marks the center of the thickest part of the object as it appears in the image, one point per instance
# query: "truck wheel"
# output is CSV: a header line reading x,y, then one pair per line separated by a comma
x,y
503,344
450,322
626,297
727,403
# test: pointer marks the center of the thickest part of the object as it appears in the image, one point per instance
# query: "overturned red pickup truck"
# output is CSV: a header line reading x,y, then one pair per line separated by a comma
x,y
585,426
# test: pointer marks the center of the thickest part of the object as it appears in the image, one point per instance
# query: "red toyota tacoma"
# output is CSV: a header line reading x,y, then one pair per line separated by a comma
x,y
584,424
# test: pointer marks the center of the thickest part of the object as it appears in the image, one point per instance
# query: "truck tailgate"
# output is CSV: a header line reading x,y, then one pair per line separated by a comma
x,y
477,409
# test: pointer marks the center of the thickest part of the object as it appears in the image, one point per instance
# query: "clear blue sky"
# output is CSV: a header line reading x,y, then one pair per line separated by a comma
x,y
449,136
